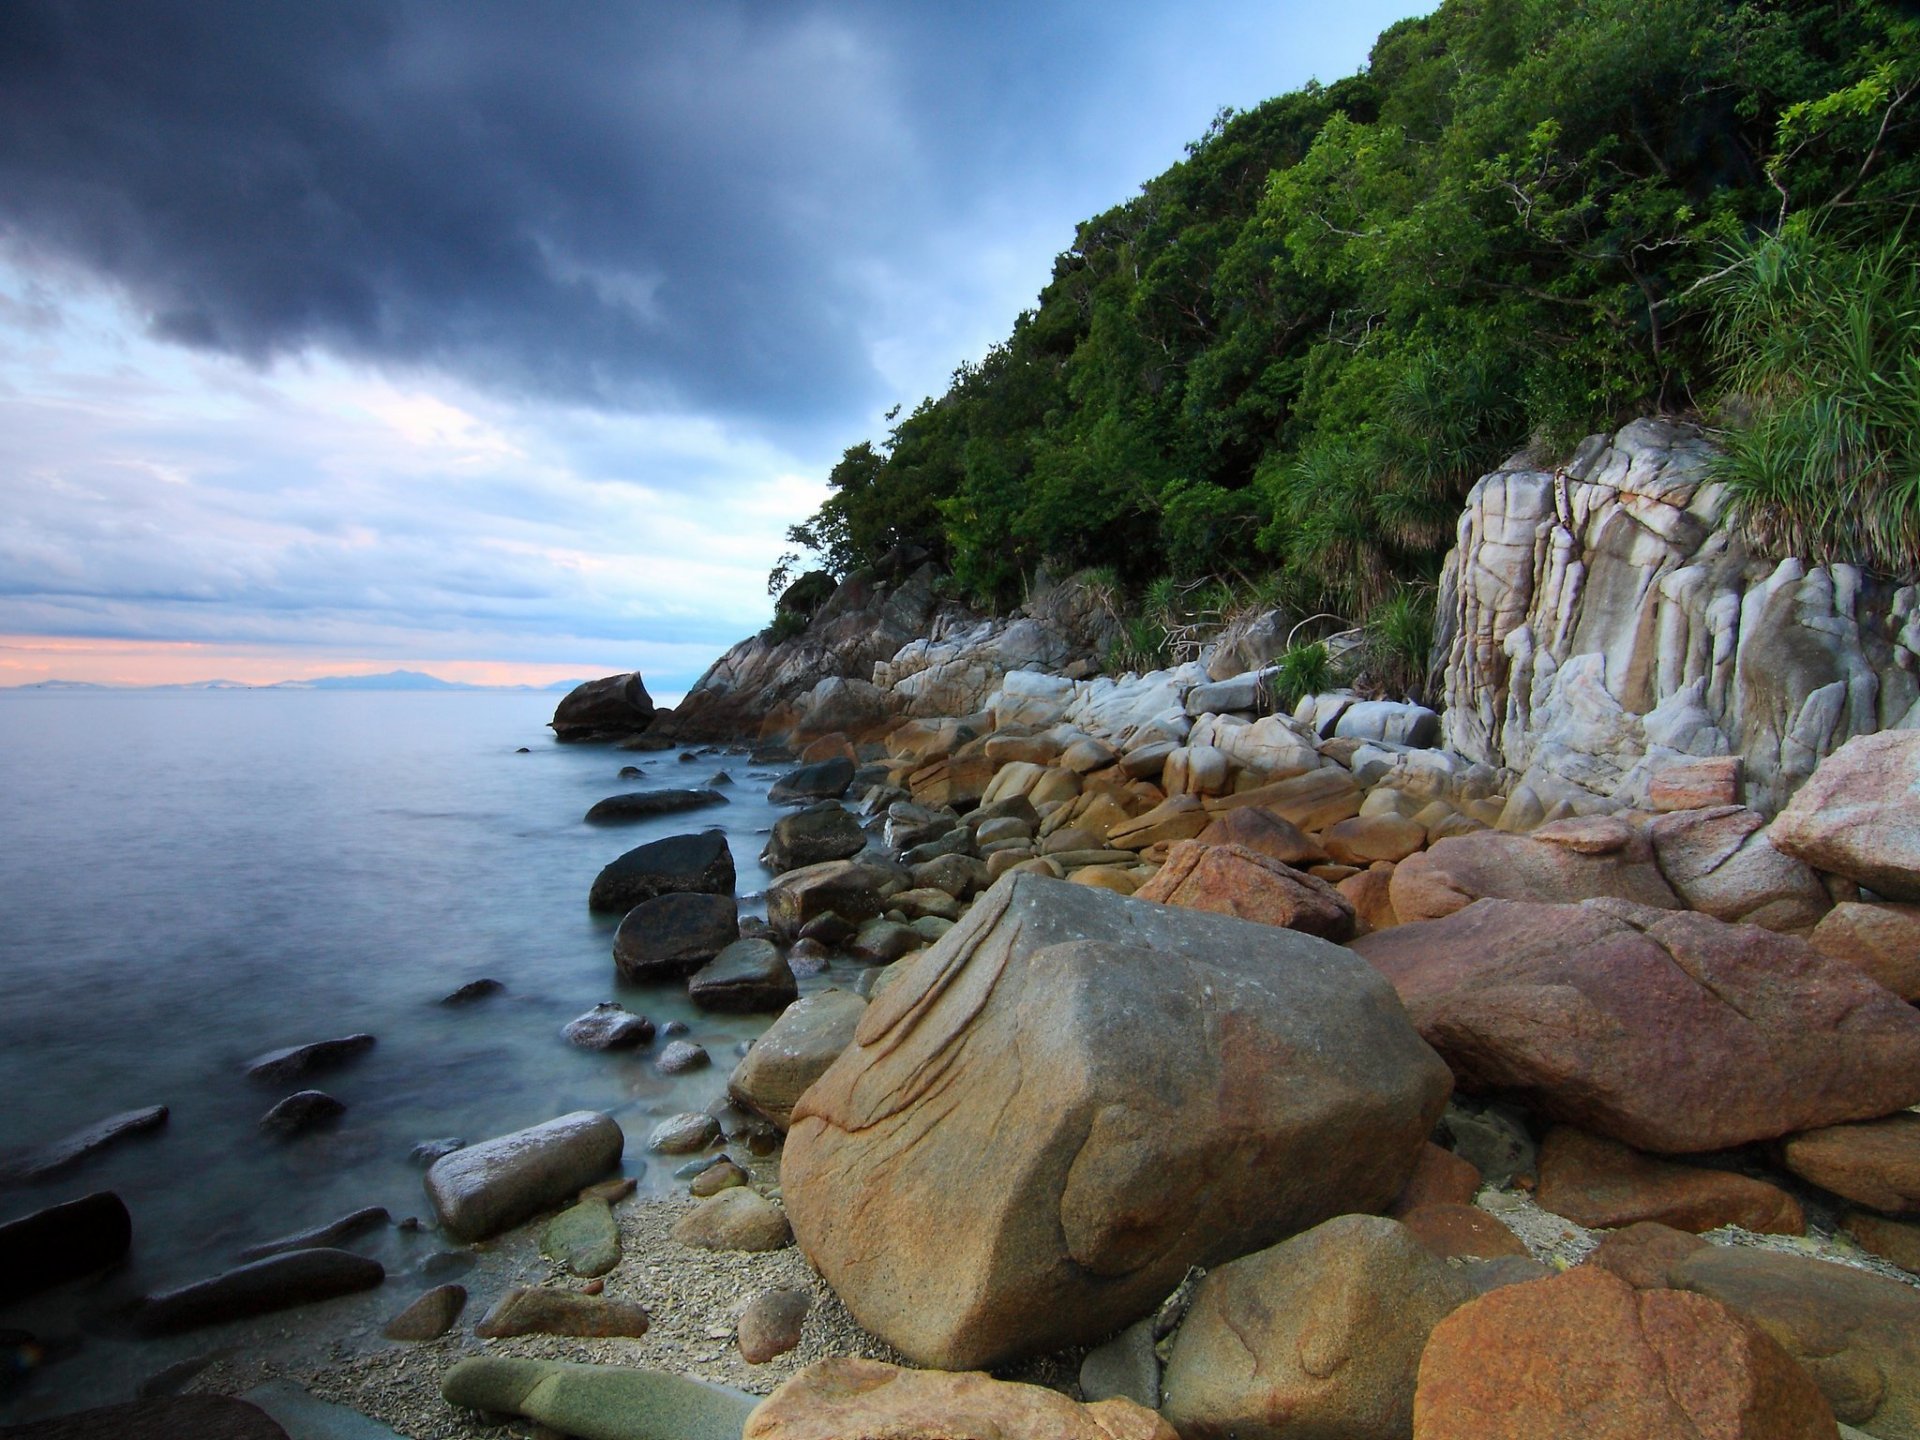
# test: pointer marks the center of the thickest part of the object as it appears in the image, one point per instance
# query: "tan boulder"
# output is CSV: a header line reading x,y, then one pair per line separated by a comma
x,y
1367,838
1265,832
1857,1334
1585,1356
1320,1335
1229,880
1723,863
1371,895
1072,1097
1858,814
1602,1184
852,1398
1673,1032
1568,860
1042,748
1883,940
1120,880
1197,770
1312,801
1179,817
795,1051
734,1219
1874,1163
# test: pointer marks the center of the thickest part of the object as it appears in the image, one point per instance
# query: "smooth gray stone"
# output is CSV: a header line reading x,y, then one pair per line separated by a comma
x,y
331,1233
278,1066
299,1277
69,1150
600,1402
304,1417
483,1189
1126,1366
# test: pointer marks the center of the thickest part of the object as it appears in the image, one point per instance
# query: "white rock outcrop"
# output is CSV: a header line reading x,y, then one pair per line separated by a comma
x,y
1603,619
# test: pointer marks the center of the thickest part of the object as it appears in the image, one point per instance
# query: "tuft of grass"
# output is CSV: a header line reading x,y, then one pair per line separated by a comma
x,y
1303,670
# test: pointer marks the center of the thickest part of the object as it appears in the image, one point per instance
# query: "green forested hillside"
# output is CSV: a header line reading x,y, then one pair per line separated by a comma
x,y
1282,362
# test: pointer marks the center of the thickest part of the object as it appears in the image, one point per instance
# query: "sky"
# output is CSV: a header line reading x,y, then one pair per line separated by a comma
x,y
505,340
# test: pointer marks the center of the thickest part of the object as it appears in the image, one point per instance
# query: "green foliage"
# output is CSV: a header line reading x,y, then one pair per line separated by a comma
x,y
786,625
1301,671
1299,345
1397,652
1824,342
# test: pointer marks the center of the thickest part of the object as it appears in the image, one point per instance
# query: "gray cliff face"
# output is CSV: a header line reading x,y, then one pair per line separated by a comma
x,y
1599,620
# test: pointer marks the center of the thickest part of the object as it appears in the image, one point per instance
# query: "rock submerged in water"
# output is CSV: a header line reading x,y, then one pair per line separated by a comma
x,y
295,1062
673,935
699,863
300,1112
747,976
62,1154
299,1277
482,1189
1160,1088
645,804
331,1233
822,780
608,1026
62,1243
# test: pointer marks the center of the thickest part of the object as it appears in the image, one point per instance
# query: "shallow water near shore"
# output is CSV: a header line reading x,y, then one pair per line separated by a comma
x,y
190,879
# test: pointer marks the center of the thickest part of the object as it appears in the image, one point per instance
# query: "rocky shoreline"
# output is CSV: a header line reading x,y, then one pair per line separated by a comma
x,y
1203,1068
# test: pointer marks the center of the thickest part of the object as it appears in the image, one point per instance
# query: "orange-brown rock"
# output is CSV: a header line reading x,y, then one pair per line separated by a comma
x,y
1180,818
1895,1241
1265,832
829,747
1585,1356
1644,1253
1568,860
1671,1032
1874,1163
1696,784
1312,801
1883,940
1858,814
1367,838
851,1398
1370,894
1602,1184
1857,1334
1463,1232
1722,862
1439,1178
1232,880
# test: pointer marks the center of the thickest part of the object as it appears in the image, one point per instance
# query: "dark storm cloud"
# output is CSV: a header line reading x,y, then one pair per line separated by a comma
x,y
628,204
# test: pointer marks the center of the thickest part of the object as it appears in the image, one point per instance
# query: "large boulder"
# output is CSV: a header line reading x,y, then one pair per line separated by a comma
x,y
482,1189
1671,1032
1585,1356
1570,860
1072,1097
1858,1334
699,864
1858,815
822,780
849,1396
1320,1335
672,935
851,889
827,831
794,1052
603,709
1230,880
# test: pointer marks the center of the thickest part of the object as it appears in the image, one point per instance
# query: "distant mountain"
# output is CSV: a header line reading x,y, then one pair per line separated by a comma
x,y
63,685
415,680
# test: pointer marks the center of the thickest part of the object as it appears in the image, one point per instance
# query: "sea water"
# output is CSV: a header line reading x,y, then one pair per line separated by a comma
x,y
189,879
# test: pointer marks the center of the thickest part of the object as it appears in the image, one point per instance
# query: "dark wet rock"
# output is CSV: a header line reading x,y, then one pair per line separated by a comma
x,y
881,942
674,935
645,804
630,772
540,1311
280,1282
808,957
444,1264
719,778
677,1027
583,1239
698,863
161,1417
473,990
600,709
300,1112
61,1243
604,1400
483,1189
523,750
698,1164
334,1232
830,929
608,1026
822,780
747,976
428,1151
69,1150
770,1325
679,1056
680,1134
828,831
277,1067
429,1317
853,889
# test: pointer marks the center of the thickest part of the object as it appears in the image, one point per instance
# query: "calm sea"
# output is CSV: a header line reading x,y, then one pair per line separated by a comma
x,y
188,879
